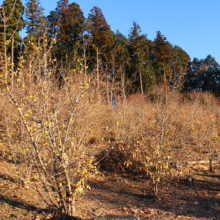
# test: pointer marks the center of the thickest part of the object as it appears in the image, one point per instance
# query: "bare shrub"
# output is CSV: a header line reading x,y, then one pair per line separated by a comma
x,y
45,127
157,140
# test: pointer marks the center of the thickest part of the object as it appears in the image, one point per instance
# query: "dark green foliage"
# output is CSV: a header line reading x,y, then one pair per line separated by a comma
x,y
11,23
193,77
137,49
148,70
117,55
211,77
141,68
162,57
120,45
100,37
52,19
180,61
13,11
1,42
179,65
34,15
204,75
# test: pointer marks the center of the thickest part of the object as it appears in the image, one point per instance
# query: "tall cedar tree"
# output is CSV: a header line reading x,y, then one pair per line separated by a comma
x,y
100,31
193,78
148,71
180,60
204,75
15,23
68,22
211,77
118,53
180,64
13,11
163,56
52,19
122,58
116,57
34,15
137,50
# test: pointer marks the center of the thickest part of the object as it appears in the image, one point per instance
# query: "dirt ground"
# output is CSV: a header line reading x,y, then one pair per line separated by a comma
x,y
122,195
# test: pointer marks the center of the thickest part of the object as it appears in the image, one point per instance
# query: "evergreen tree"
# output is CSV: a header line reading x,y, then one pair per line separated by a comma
x,y
34,15
99,28
180,60
100,32
52,19
204,75
149,76
163,57
14,12
1,40
162,54
115,59
10,24
179,65
193,78
137,49
116,54
211,77
68,22
119,53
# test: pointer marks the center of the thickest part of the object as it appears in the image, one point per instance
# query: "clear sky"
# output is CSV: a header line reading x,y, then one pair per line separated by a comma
x,y
194,25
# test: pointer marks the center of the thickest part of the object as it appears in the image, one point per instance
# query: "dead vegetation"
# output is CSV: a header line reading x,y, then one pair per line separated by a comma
x,y
54,135
128,144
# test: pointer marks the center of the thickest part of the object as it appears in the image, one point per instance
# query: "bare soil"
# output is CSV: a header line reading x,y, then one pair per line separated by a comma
x,y
122,195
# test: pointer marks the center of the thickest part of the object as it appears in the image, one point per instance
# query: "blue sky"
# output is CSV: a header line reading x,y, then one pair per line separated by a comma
x,y
194,25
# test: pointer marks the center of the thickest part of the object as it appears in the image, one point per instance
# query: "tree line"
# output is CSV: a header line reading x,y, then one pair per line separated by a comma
x,y
88,46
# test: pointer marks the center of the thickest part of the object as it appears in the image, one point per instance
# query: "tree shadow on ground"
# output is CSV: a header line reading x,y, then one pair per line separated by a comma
x,y
208,175
200,201
8,178
9,196
21,204
201,206
178,199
